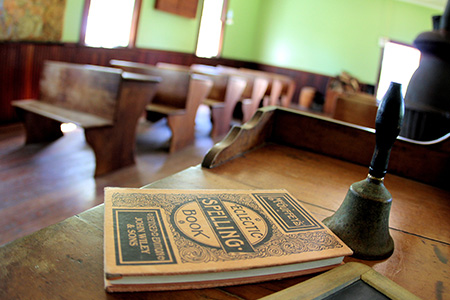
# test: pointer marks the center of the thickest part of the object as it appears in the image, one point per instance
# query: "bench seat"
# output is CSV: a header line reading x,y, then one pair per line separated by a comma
x,y
61,114
213,103
165,109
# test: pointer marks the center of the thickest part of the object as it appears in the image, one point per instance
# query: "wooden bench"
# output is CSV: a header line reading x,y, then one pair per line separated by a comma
x,y
280,89
105,102
225,93
356,108
253,93
177,98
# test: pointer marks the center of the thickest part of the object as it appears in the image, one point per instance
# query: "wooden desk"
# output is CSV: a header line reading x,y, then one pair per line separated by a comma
x,y
65,261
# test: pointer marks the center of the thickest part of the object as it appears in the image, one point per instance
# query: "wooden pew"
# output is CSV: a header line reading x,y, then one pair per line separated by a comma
x,y
105,102
177,98
356,108
253,93
226,91
280,90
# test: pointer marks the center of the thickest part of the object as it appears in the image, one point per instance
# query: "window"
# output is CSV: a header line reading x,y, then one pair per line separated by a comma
x,y
110,23
212,23
398,64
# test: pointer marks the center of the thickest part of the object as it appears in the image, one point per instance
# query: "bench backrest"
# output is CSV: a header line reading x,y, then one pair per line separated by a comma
x,y
219,88
281,87
85,88
173,88
220,81
256,85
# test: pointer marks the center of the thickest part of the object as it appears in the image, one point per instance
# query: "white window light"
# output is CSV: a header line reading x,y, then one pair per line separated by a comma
x,y
209,36
109,23
68,127
398,65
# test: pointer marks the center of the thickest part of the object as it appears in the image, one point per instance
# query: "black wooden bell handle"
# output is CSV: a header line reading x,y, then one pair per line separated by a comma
x,y
387,125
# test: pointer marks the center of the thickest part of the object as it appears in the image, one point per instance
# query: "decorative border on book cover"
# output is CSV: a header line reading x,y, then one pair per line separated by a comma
x,y
287,212
140,237
213,227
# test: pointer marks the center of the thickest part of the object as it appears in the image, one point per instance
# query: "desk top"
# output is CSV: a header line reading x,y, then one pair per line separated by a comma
x,y
66,260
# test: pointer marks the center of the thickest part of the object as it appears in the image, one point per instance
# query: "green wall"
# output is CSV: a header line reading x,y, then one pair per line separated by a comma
x,y
241,39
156,29
320,36
165,31
329,36
72,21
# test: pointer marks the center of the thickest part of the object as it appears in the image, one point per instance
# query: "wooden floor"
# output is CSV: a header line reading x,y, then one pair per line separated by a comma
x,y
43,184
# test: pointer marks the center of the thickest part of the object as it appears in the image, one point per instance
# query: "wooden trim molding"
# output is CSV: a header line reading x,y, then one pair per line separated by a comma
x,y
87,4
224,24
135,23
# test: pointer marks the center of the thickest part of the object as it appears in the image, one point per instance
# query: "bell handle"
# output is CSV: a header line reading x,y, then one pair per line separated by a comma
x,y
388,123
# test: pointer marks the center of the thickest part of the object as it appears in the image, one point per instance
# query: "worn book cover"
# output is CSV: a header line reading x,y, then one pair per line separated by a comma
x,y
178,239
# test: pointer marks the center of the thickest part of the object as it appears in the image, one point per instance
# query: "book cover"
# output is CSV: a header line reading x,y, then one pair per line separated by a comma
x,y
157,239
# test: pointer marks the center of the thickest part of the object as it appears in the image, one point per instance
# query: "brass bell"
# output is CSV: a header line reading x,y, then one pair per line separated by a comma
x,y
362,220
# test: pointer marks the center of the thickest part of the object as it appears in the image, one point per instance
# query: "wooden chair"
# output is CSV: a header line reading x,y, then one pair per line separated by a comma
x,y
105,102
177,98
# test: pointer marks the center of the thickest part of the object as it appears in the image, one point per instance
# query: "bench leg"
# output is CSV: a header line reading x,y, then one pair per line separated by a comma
x,y
248,110
183,132
112,150
220,123
39,129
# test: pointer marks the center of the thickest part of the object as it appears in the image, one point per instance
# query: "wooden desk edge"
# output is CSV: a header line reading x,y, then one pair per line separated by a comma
x,y
332,281
335,139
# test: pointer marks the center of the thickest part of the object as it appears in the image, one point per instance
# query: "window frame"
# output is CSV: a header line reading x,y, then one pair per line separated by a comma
x,y
133,27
